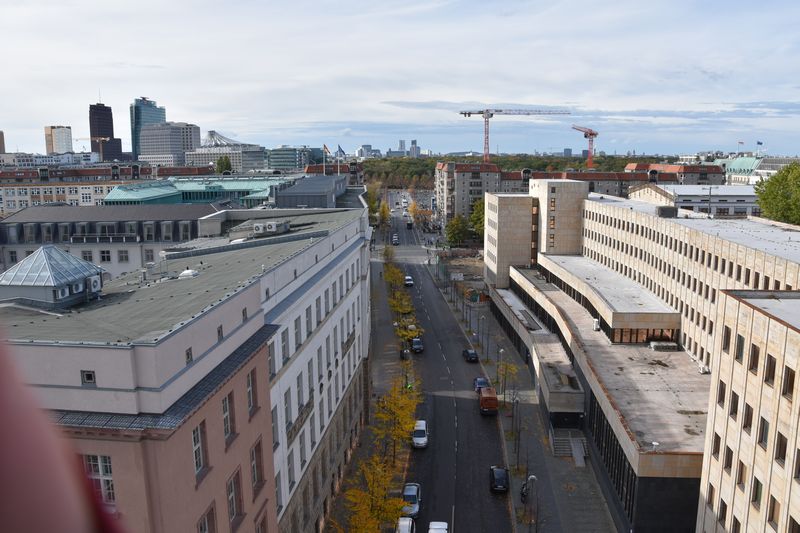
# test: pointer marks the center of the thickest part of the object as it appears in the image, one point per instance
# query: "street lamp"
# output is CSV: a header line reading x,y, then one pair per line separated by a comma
x,y
481,329
534,503
497,370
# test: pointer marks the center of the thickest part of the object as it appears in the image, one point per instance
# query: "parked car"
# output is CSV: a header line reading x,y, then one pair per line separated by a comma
x,y
416,345
405,525
412,495
498,479
437,527
419,437
409,281
470,355
480,382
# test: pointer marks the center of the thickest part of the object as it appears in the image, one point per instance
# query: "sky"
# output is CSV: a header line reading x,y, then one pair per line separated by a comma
x,y
661,76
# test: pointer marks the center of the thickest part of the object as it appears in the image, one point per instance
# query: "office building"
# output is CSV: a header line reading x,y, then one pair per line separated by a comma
x,y
621,305
57,139
2,142
246,397
143,112
244,157
567,152
288,158
354,170
721,201
166,143
414,151
312,191
101,127
401,146
21,160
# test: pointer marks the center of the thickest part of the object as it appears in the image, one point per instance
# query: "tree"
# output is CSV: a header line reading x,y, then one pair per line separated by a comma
x,y
400,303
224,164
456,230
371,506
383,213
392,274
779,196
388,255
373,190
396,411
413,211
477,216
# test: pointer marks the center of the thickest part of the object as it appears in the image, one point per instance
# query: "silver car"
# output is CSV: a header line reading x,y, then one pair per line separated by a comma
x,y
412,495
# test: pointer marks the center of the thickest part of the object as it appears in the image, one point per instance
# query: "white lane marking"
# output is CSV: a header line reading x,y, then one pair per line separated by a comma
x,y
453,517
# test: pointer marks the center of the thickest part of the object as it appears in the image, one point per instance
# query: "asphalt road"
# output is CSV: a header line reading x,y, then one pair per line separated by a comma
x,y
454,470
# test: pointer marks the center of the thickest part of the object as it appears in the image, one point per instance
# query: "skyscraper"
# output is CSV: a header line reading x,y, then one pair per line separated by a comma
x,y
144,112
57,139
167,143
2,143
101,124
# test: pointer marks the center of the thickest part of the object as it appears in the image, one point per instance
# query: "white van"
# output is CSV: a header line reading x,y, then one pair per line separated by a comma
x,y
419,437
405,524
437,527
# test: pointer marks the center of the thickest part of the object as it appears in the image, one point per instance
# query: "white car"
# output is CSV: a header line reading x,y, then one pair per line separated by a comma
x,y
408,281
419,437
437,527
412,496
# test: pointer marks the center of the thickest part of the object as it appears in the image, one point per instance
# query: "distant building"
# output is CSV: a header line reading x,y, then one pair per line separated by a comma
x,y
57,139
567,152
291,158
365,151
244,157
101,125
144,112
68,159
401,146
414,150
722,201
354,170
697,174
2,143
312,191
166,143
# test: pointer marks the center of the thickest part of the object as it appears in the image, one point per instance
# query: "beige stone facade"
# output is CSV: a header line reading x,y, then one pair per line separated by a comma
x,y
516,214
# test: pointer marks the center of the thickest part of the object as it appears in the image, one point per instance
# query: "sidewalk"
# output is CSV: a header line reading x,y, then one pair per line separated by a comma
x,y
568,497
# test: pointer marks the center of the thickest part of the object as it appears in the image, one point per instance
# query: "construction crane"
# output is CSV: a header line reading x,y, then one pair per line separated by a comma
x,y
98,140
590,134
489,113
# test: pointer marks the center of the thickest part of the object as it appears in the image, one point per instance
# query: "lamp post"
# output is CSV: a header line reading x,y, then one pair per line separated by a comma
x,y
497,371
481,329
534,519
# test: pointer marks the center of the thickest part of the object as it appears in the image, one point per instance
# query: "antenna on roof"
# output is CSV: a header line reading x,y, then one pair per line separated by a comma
x,y
99,99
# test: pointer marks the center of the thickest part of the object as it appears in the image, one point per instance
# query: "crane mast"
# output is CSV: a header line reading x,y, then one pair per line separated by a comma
x,y
489,113
589,134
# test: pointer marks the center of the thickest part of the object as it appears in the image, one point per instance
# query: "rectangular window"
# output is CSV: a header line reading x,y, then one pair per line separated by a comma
x,y
271,356
311,379
105,256
86,255
715,446
755,353
763,432
290,469
298,333
300,400
723,512
769,370
774,512
122,256
256,467
302,446
741,475
199,447
234,497
285,345
244,315
318,307
207,523
278,492
747,419
287,407
321,415
149,256
721,394
728,459
228,420
327,302
252,392
755,493
276,440
710,495
726,339
788,383
733,408
781,444
309,325
98,470
739,352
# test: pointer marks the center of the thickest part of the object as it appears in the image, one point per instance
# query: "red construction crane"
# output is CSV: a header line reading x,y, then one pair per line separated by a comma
x,y
590,134
489,113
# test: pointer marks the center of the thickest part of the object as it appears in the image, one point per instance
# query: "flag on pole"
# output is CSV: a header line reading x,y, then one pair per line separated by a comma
x,y
340,152
740,142
325,148
759,143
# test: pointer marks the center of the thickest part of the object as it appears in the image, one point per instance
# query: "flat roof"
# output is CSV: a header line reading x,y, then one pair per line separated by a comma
x,y
780,305
716,190
622,294
129,312
660,396
110,213
779,240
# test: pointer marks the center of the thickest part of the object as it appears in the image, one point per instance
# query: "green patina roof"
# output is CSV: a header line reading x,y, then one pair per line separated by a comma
x,y
141,191
739,165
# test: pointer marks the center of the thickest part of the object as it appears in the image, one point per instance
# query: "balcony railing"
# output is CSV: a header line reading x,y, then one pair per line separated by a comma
x,y
97,238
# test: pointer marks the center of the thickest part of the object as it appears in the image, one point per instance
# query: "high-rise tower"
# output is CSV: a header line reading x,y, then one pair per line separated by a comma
x,y
144,112
57,139
101,126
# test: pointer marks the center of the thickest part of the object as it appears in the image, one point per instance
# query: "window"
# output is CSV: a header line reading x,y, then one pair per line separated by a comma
x,y
220,334
278,493
298,333
199,447
741,475
726,339
739,352
256,467
302,446
774,512
271,356
285,345
233,490
207,522
88,378
754,356
736,526
733,407
244,315
188,355
763,432
321,415
149,256
747,420
122,256
755,493
105,256
275,433
722,515
788,383
252,392
721,394
769,370
287,407
98,470
715,446
228,420
86,255
728,459
312,430
327,302
300,400
710,495
309,326
780,448
290,467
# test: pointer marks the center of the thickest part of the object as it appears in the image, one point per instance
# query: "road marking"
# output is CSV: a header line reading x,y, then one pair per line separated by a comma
x,y
448,371
453,517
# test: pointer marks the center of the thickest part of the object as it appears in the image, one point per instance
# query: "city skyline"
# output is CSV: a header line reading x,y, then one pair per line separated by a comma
x,y
695,83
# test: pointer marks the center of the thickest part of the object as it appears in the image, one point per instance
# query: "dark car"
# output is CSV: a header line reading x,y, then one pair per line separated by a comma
x,y
470,355
480,382
498,478
416,345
